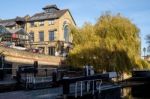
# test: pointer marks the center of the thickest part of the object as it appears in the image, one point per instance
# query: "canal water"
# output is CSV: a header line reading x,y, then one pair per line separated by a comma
x,y
52,93
127,94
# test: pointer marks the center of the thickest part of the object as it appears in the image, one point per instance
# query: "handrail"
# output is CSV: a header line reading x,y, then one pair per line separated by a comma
x,y
93,89
99,87
66,82
94,85
81,89
32,79
84,78
76,89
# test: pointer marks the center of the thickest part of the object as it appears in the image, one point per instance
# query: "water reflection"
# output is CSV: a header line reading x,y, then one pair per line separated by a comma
x,y
127,94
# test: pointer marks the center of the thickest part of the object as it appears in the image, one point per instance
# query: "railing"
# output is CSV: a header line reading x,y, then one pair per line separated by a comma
x,y
88,83
95,84
31,80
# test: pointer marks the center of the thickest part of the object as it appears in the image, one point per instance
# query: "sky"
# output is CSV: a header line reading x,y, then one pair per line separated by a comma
x,y
138,11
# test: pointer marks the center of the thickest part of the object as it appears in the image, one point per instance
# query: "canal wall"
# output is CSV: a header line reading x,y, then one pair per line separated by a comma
x,y
16,57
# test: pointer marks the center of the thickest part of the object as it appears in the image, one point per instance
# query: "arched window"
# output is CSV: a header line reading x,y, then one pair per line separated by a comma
x,y
66,33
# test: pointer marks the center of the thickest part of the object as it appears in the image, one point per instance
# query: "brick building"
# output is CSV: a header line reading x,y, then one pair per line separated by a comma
x,y
47,29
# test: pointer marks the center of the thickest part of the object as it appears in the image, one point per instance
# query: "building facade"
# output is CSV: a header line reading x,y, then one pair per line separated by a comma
x,y
48,30
50,27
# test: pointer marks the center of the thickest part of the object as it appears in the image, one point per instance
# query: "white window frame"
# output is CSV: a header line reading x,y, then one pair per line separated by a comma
x,y
51,22
41,23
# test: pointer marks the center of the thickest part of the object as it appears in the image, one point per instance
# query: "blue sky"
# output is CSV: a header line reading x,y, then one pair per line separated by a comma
x,y
138,11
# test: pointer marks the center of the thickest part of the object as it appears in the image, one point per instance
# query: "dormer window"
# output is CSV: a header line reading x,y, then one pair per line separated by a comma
x,y
50,8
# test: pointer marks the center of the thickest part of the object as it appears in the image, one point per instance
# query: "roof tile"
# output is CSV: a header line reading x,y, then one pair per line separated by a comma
x,y
44,15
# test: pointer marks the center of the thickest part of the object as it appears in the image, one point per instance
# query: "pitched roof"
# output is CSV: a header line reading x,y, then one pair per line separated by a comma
x,y
9,22
20,18
3,30
19,30
44,15
57,13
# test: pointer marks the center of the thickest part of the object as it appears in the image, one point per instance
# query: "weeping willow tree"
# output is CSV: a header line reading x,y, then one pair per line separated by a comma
x,y
112,43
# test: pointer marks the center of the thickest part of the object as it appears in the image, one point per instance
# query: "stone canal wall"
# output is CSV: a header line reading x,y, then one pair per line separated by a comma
x,y
16,57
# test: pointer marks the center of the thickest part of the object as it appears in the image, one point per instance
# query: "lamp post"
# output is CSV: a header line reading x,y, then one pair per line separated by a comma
x,y
144,50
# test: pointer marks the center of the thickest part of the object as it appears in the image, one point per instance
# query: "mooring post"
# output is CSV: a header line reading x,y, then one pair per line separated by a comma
x,y
35,68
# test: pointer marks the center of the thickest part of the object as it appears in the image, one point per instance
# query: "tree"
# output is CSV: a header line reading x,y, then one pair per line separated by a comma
x,y
112,43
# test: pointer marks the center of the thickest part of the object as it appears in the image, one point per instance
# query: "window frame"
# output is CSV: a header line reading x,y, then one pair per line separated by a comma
x,y
50,22
41,23
66,33
32,24
51,37
51,51
41,39
32,36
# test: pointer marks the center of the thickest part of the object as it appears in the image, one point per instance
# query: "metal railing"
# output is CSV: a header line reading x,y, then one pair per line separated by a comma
x,y
32,79
89,85
83,85
35,80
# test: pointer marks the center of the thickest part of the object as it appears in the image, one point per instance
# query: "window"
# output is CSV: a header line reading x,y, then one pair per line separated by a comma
x,y
51,51
32,24
51,10
41,36
51,22
51,35
41,23
32,36
66,33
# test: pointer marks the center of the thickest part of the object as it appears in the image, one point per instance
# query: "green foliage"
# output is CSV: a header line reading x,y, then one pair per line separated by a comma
x,y
112,43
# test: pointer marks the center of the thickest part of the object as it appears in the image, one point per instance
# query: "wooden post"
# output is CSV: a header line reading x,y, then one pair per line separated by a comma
x,y
35,68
